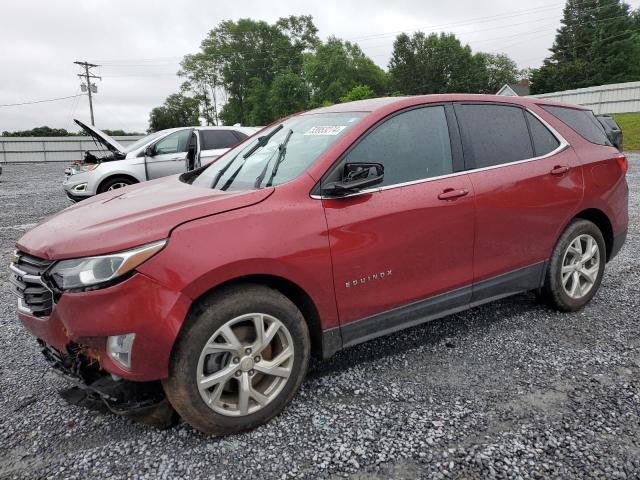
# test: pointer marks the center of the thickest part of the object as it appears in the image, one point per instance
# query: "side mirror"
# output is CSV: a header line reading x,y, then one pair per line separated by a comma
x,y
356,177
148,152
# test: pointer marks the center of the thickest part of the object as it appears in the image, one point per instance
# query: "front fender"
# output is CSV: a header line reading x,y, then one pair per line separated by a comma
x,y
129,167
254,240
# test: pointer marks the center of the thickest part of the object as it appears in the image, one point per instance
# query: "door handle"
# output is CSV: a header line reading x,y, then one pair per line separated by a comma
x,y
451,193
559,170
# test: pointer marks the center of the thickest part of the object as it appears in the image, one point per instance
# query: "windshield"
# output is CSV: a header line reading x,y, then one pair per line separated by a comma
x,y
279,154
143,141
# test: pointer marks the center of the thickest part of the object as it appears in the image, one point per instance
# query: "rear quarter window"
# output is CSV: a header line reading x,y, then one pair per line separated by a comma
x,y
215,139
543,140
583,122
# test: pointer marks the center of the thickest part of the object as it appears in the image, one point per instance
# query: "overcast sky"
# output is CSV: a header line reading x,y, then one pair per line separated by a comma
x,y
140,43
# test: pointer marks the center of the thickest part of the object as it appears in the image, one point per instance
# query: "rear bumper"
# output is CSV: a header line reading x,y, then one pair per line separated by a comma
x,y
618,242
138,305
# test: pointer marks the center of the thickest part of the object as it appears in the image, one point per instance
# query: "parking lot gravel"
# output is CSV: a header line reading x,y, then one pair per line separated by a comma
x,y
511,389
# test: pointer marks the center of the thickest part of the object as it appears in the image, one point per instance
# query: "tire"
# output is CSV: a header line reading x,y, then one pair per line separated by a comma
x,y
218,409
559,284
113,183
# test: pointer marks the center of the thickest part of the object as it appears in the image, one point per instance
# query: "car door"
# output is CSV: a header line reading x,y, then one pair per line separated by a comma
x,y
168,155
217,142
527,183
412,237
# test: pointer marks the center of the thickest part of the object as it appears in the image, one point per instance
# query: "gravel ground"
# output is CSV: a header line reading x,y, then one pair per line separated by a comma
x,y
507,390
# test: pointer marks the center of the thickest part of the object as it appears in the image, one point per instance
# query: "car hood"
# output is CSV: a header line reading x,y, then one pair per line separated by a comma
x,y
101,137
129,217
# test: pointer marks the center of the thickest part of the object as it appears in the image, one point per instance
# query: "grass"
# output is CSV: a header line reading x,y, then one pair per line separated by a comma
x,y
630,125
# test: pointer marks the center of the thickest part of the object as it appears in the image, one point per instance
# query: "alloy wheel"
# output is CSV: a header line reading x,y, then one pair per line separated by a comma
x,y
245,364
117,185
580,266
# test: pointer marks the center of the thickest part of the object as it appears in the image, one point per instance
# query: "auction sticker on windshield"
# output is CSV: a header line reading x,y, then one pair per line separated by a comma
x,y
326,130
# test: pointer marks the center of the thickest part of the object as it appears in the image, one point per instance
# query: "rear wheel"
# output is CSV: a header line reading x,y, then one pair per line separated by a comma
x,y
576,267
115,183
239,360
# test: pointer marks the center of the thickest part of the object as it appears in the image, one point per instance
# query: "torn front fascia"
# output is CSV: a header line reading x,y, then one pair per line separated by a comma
x,y
96,389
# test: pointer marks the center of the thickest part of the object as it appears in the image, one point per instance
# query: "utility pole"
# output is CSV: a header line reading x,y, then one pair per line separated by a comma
x,y
91,87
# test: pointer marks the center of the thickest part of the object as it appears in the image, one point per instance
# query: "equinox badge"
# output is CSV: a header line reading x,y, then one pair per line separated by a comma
x,y
367,279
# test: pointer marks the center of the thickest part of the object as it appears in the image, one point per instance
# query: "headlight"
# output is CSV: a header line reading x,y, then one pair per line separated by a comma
x,y
90,271
81,168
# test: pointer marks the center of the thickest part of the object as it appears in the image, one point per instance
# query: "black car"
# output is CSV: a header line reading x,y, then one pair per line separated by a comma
x,y
613,130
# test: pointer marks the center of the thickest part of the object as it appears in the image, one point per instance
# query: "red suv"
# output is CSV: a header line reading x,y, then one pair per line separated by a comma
x,y
324,230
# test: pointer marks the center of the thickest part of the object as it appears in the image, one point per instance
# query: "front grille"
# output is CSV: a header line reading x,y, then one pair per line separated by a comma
x,y
34,297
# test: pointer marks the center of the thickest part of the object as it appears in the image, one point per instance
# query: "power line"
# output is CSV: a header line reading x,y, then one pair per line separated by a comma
x,y
168,61
585,44
540,29
74,104
40,101
484,19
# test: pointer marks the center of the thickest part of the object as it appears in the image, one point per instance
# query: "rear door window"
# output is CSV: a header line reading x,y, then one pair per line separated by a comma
x,y
494,134
215,139
241,136
411,145
543,140
583,122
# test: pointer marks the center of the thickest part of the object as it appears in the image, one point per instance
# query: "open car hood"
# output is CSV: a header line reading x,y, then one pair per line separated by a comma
x,y
101,137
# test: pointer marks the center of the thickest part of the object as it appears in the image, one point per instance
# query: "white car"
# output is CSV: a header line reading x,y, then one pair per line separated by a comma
x,y
156,155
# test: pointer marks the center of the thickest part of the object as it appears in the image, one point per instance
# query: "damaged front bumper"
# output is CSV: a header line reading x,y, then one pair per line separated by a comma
x,y
98,390
138,305
78,185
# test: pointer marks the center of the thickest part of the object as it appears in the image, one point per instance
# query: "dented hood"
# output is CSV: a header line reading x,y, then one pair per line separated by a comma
x,y
101,137
126,218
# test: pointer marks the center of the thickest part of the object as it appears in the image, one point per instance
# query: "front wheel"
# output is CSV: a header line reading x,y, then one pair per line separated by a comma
x,y
576,267
239,361
115,183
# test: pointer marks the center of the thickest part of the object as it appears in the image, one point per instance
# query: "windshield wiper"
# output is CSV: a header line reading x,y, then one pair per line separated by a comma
x,y
262,141
223,170
282,151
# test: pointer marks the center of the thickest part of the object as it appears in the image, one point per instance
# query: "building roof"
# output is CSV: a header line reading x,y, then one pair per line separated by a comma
x,y
514,90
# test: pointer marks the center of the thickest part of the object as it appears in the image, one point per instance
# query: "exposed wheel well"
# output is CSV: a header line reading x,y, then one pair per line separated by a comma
x,y
293,292
602,222
112,177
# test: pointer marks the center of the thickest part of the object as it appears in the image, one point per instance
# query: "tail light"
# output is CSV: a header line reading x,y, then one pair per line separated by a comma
x,y
623,163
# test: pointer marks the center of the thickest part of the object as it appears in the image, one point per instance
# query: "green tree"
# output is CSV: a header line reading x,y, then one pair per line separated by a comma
x,y
203,80
336,67
496,71
250,54
597,43
359,92
257,108
288,94
40,132
177,111
119,133
260,71
436,63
